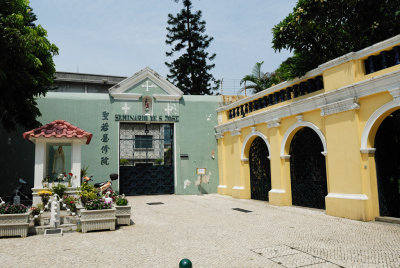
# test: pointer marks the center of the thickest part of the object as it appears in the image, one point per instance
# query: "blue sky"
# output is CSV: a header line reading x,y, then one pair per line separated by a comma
x,y
120,37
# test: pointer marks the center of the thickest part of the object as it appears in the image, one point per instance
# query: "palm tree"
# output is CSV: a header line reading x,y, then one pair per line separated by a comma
x,y
259,79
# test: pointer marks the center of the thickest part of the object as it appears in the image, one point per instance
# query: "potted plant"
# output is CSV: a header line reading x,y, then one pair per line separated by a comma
x,y
35,212
70,202
45,181
59,189
123,210
14,220
45,196
97,215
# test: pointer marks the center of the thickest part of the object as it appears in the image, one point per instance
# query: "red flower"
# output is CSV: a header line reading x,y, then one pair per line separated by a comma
x,y
70,174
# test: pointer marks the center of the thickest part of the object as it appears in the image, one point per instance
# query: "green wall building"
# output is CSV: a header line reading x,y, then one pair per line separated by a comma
x,y
143,128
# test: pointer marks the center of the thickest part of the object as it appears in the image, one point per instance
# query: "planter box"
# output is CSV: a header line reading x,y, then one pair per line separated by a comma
x,y
102,219
123,214
14,224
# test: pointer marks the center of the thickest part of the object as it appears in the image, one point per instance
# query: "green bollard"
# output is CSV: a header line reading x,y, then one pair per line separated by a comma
x,y
185,263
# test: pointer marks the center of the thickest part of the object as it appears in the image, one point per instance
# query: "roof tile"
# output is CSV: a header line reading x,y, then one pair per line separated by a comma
x,y
58,129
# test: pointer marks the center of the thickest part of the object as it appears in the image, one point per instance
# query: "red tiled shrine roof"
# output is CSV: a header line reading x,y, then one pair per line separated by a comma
x,y
58,129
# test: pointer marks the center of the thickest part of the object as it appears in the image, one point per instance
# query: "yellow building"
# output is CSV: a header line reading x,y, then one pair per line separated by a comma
x,y
330,139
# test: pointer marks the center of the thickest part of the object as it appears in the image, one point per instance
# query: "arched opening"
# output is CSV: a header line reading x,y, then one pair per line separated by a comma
x,y
387,161
307,169
260,171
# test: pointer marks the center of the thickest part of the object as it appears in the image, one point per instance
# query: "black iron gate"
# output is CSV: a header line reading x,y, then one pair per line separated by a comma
x,y
387,160
260,173
146,159
307,169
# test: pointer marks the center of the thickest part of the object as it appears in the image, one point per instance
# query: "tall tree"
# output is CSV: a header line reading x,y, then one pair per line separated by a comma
x,y
26,64
320,30
191,70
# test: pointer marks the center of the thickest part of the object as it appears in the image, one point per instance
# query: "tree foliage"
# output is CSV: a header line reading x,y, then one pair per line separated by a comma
x,y
26,64
191,70
259,80
320,30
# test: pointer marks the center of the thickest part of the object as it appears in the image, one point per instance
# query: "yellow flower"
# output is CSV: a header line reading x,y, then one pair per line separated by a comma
x,y
45,193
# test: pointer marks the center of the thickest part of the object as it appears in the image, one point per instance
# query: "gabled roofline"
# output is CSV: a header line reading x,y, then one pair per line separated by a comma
x,y
117,91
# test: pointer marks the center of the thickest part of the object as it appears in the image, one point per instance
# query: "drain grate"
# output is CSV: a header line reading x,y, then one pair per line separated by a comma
x,y
155,203
242,210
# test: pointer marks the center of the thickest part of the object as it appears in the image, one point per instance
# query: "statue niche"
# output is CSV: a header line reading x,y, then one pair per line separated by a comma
x,y
147,104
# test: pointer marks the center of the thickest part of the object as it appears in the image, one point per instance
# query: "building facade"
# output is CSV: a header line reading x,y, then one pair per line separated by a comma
x,y
143,128
327,140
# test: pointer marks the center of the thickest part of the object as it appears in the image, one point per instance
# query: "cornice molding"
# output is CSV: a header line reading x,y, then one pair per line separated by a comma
x,y
340,106
126,96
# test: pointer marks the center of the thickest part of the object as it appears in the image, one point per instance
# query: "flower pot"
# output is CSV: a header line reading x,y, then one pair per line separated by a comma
x,y
101,219
123,214
14,224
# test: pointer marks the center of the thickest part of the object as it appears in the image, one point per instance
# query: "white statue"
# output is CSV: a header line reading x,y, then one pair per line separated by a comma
x,y
59,161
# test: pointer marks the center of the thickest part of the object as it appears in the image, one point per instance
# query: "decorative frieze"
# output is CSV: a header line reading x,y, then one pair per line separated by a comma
x,y
340,106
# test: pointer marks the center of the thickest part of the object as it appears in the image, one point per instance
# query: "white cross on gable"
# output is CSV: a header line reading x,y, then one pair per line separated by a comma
x,y
170,108
147,85
125,108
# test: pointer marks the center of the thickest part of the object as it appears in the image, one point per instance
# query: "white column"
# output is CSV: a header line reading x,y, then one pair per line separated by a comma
x,y
40,163
76,163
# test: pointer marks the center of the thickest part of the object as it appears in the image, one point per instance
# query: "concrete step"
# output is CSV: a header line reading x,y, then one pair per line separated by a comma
x,y
388,219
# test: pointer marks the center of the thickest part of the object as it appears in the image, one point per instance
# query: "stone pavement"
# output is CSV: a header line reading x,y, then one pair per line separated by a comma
x,y
206,230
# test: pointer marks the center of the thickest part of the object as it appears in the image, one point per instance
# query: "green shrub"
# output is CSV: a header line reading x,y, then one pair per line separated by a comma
x,y
87,193
59,189
121,201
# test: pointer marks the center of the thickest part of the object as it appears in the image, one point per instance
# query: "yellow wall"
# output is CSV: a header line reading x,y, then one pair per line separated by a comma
x,y
351,175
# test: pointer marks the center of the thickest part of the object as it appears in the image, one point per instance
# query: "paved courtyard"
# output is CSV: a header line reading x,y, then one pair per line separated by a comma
x,y
206,230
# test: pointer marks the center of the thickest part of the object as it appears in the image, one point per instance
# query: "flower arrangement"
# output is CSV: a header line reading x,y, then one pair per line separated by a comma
x,y
70,202
59,189
121,200
45,181
13,209
45,196
97,204
35,212
87,193
69,178
111,193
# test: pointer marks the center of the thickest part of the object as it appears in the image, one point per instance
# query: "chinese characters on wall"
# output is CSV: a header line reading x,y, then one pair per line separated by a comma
x,y
104,146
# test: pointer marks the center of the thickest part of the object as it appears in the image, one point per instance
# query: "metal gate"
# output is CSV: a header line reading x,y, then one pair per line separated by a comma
x,y
387,160
307,169
260,173
146,159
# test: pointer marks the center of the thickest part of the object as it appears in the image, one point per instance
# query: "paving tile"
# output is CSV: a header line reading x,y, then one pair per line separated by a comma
x,y
297,260
275,251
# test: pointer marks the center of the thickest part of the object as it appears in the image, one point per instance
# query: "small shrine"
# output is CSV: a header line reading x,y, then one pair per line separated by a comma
x,y
56,143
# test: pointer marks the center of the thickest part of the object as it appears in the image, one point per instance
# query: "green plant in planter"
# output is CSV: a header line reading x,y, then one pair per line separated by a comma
x,y
59,189
121,200
35,212
13,209
70,202
87,193
97,204
84,171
